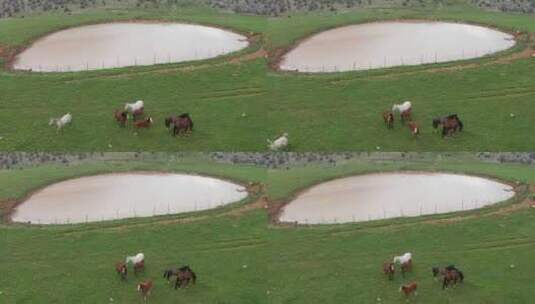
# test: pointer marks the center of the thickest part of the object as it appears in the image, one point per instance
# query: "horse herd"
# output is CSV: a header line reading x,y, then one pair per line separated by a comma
x,y
450,274
183,275
176,124
450,123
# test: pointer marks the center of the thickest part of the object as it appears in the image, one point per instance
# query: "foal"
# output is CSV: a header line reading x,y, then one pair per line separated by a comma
x,y
415,128
409,289
121,117
145,288
388,117
145,123
389,269
121,269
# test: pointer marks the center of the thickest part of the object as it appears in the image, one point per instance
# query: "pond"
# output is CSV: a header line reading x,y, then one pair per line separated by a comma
x,y
389,195
394,43
125,195
113,45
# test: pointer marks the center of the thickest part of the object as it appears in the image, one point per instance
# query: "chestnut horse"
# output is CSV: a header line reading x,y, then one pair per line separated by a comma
x,y
145,123
145,288
415,128
389,269
121,269
388,117
121,117
409,289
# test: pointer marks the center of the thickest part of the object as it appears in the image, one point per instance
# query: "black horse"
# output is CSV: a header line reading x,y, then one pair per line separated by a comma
x,y
450,124
450,275
177,124
184,275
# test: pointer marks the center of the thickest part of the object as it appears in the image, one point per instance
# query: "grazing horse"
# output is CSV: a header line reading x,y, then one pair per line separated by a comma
x,y
389,269
450,124
388,117
177,124
184,276
61,121
278,144
145,123
136,109
415,128
121,269
409,289
405,110
450,275
121,117
145,288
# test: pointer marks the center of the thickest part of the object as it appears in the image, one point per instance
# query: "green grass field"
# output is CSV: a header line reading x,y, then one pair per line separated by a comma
x,y
332,112
314,264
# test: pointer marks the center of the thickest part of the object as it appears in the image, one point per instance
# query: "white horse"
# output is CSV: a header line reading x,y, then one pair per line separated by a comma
x,y
279,143
134,107
406,106
140,257
60,122
402,259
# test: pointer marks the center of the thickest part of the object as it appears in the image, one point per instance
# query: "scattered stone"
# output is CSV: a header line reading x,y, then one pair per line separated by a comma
x,y
512,266
244,266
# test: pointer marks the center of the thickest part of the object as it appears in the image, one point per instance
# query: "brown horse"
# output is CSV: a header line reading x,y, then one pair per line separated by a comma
x,y
450,275
184,276
121,269
145,123
415,128
181,124
137,114
406,115
388,117
409,289
139,266
121,117
450,124
389,269
145,288
406,267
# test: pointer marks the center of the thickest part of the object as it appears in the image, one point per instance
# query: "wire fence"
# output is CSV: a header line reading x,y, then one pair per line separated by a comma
x,y
125,61
118,213
391,61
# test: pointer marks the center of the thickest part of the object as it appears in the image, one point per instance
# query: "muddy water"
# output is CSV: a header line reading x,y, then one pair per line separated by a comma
x,y
388,44
115,196
126,44
389,195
